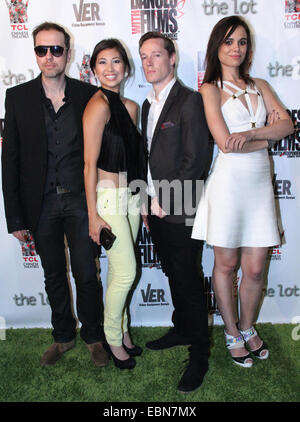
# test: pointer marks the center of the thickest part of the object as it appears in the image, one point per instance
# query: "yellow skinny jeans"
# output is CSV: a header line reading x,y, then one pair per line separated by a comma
x,y
121,210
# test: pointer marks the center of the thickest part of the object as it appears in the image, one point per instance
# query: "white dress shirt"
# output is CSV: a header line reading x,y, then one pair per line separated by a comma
x,y
153,116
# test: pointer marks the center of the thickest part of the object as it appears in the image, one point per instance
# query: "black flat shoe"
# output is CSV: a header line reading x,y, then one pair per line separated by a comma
x,y
193,375
123,364
167,341
133,351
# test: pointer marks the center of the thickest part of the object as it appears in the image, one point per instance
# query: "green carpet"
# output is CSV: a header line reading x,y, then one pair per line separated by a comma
x,y
156,375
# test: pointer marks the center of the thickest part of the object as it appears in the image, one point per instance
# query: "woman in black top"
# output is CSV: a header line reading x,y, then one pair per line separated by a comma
x,y
111,154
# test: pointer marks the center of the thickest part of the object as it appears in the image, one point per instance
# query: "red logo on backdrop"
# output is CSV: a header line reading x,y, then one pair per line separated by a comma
x,y
18,17
275,253
30,259
292,6
153,15
292,14
85,72
28,247
17,11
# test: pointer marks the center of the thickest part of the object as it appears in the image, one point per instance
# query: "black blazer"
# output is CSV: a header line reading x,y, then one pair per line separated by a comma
x,y
24,149
179,148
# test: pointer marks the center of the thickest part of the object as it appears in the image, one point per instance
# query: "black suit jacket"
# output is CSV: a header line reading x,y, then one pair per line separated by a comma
x,y
179,148
24,149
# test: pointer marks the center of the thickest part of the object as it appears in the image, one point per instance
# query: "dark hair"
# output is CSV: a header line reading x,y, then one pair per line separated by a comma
x,y
47,26
109,44
168,43
213,72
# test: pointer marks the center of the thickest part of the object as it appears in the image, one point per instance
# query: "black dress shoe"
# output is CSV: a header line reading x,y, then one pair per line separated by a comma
x,y
171,339
123,364
193,375
133,351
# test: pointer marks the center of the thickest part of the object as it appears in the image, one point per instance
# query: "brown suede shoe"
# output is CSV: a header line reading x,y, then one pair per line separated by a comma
x,y
55,352
98,354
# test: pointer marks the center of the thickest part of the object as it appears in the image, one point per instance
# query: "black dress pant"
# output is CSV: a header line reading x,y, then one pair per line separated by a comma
x,y
179,256
66,214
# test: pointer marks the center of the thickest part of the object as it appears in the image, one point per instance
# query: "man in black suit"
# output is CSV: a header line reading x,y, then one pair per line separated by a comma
x,y
176,147
43,187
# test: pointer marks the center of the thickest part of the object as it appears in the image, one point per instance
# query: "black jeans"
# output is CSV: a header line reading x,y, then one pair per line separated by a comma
x,y
66,214
179,256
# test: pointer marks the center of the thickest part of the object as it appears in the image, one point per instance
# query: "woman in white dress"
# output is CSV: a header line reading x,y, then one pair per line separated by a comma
x,y
236,214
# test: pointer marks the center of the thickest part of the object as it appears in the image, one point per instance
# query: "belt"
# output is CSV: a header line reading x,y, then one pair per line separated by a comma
x,y
60,189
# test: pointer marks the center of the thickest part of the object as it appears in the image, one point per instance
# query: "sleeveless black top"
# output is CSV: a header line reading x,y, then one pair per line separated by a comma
x,y
121,141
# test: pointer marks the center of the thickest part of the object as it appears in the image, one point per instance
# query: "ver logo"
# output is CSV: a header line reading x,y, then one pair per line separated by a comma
x,y
87,12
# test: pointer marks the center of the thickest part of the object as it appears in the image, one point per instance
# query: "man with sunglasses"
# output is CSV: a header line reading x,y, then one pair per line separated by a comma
x,y
43,187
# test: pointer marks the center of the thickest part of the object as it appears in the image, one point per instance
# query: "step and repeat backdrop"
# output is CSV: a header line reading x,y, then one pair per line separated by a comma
x,y
276,27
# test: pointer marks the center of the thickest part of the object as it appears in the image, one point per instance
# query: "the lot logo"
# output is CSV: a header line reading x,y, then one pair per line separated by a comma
x,y
18,18
153,297
291,70
156,15
9,78
292,14
23,300
85,72
236,7
87,14
290,146
283,291
148,254
30,259
282,188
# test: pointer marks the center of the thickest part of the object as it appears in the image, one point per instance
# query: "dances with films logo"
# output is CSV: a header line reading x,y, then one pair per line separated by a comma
x,y
156,15
211,300
148,254
18,18
292,14
290,146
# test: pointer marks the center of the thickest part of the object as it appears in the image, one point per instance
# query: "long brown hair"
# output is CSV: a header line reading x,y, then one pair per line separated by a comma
x,y
213,72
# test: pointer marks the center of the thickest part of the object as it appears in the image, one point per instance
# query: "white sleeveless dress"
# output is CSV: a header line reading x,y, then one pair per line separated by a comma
x,y
237,207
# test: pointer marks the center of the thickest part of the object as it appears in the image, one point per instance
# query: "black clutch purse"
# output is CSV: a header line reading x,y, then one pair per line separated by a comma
x,y
107,238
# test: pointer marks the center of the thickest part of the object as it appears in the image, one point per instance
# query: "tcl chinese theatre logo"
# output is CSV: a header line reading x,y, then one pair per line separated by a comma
x,y
292,14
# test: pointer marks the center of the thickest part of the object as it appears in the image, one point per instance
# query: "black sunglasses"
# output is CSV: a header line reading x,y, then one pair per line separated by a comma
x,y
55,50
